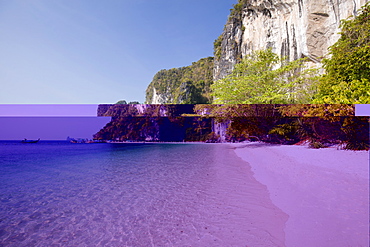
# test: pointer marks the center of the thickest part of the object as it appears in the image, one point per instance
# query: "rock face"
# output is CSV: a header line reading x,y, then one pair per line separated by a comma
x,y
292,28
144,110
185,85
220,129
144,122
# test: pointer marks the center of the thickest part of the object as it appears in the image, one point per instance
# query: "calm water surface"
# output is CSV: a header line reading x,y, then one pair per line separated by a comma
x,y
62,194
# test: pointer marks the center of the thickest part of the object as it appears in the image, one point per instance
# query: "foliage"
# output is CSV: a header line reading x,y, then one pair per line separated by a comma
x,y
259,79
237,11
237,110
286,131
310,118
356,130
124,102
236,20
328,112
347,78
190,92
185,85
321,125
248,128
121,110
217,47
329,123
213,138
199,131
316,144
245,121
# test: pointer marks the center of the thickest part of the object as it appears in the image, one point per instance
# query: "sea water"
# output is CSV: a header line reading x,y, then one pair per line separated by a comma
x,y
56,193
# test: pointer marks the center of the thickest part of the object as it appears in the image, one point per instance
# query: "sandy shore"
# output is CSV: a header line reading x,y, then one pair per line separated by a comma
x,y
325,192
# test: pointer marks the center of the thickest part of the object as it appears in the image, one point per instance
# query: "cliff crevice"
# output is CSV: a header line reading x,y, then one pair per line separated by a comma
x,y
291,28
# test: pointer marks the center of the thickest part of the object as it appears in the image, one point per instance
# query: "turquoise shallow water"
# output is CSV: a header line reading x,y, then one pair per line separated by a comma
x,y
63,194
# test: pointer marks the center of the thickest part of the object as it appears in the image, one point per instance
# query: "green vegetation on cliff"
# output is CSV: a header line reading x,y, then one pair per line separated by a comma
x,y
256,80
237,11
185,85
319,125
217,46
124,102
259,78
347,78
235,17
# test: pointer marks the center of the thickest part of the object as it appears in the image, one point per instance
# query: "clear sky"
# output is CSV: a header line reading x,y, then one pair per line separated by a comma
x,y
94,51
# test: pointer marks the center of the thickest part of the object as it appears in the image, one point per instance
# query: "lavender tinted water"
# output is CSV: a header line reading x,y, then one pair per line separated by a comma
x,y
63,194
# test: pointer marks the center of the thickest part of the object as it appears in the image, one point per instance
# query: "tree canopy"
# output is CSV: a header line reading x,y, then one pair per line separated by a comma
x,y
185,85
347,77
265,78
124,102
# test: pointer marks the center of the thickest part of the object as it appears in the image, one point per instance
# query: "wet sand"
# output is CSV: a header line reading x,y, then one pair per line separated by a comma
x,y
239,207
324,192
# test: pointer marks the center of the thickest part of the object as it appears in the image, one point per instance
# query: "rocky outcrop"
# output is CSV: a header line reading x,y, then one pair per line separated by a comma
x,y
185,85
102,110
153,123
291,28
229,123
219,128
144,110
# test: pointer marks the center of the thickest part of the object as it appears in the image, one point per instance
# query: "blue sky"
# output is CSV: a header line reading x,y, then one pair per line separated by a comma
x,y
95,51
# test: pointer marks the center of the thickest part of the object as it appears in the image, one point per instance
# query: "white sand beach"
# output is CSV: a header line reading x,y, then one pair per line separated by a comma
x,y
325,192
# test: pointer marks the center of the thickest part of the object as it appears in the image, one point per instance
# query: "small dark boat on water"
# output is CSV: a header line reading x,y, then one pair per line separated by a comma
x,y
30,141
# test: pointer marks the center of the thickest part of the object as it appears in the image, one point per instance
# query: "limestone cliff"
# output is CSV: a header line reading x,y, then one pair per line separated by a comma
x,y
144,110
185,85
292,28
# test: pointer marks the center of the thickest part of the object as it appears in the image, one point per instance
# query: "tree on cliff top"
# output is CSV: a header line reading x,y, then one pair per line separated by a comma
x,y
259,79
347,78
124,102
185,85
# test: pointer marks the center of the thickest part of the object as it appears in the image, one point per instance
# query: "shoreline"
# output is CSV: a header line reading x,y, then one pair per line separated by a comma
x,y
325,192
